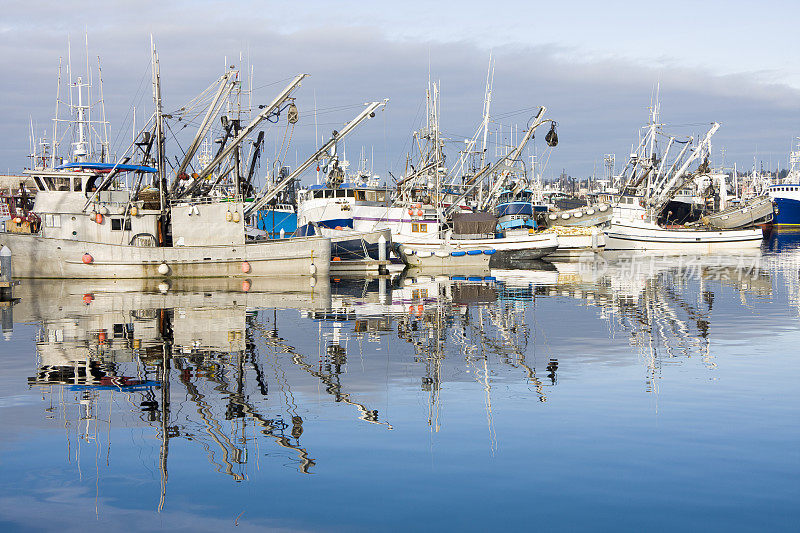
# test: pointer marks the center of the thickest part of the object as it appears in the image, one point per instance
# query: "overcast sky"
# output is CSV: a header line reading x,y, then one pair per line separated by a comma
x,y
593,65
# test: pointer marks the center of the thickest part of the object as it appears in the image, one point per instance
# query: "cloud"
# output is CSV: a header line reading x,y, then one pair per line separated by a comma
x,y
599,100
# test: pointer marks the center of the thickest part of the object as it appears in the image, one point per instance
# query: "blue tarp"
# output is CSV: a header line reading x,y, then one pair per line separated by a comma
x,y
109,166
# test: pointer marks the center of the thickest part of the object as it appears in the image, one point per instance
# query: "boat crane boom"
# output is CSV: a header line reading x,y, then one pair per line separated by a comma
x,y
266,195
265,113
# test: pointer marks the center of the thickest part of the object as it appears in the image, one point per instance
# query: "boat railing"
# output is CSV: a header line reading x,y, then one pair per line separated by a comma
x,y
206,200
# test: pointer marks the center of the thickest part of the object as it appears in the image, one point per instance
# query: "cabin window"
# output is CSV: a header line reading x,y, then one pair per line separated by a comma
x,y
350,193
419,228
117,224
329,193
39,184
76,184
57,184
318,194
52,221
381,196
371,196
360,196
341,193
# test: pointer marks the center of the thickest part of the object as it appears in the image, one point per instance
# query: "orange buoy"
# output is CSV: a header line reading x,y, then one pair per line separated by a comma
x,y
246,285
98,218
419,310
419,212
245,267
101,336
338,227
411,212
87,298
87,259
336,258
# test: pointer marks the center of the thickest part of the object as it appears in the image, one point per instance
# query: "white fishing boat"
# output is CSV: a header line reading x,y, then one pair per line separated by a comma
x,y
633,228
651,180
89,222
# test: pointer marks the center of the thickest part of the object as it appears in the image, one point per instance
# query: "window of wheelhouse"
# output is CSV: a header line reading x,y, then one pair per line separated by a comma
x,y
381,196
360,195
76,184
39,184
57,183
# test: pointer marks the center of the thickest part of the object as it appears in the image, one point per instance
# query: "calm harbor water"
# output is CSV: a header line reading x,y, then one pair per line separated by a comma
x,y
634,393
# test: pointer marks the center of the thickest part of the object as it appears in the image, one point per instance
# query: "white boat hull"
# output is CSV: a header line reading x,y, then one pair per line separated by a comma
x,y
523,247
632,236
39,257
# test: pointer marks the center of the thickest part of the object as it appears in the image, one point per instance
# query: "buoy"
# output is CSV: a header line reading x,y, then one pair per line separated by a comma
x,y
336,258
163,269
565,216
474,252
411,212
103,210
134,210
338,228
121,210
87,298
163,287
245,267
87,259
458,253
312,269
236,217
419,212
312,282
98,218
17,220
93,214
101,336
228,216
488,252
246,285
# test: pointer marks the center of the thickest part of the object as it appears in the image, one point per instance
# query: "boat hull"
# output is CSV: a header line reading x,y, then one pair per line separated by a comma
x,y
634,237
758,209
787,213
38,257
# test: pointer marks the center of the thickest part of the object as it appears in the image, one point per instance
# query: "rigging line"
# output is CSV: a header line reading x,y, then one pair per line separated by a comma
x,y
137,98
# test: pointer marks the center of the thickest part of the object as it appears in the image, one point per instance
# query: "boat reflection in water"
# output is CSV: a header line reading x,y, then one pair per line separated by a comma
x,y
233,367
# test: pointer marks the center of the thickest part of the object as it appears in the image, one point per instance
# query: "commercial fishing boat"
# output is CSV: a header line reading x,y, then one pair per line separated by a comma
x,y
651,181
103,219
786,196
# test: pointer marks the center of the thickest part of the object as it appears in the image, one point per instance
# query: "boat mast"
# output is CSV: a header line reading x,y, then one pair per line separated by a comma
x,y
55,119
159,125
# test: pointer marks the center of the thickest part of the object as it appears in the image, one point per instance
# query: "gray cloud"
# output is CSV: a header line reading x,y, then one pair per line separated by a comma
x,y
600,102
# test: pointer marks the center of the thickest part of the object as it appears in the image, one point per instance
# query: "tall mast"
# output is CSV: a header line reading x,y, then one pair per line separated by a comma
x,y
104,142
487,101
88,139
55,119
159,124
